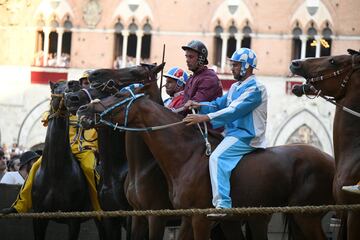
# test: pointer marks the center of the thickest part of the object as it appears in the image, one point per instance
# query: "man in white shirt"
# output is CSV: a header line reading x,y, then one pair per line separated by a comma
x,y
26,161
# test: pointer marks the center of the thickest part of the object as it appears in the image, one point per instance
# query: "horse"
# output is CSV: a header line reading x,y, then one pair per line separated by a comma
x,y
59,183
337,79
277,176
113,166
144,174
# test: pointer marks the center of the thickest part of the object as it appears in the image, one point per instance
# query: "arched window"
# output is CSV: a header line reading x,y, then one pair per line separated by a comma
x,y
296,43
246,41
231,45
119,38
311,43
146,42
66,41
326,42
218,45
132,41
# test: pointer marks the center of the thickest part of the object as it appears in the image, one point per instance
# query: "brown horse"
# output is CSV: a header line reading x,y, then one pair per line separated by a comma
x,y
277,176
339,78
145,185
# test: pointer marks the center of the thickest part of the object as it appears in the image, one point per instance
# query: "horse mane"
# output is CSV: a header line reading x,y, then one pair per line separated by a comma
x,y
353,52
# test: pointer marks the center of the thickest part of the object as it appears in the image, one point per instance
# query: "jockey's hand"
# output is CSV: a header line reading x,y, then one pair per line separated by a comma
x,y
192,119
191,104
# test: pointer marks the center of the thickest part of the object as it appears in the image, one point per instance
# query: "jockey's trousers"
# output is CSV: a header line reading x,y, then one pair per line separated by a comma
x,y
87,162
222,161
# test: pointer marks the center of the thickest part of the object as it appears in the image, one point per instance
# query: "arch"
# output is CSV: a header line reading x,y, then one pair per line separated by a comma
x,y
303,17
239,17
31,132
61,11
142,12
298,119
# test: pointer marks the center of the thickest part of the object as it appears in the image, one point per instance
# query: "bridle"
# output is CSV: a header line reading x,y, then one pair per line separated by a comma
x,y
341,92
54,113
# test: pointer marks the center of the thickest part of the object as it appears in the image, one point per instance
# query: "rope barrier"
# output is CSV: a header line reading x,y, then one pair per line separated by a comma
x,y
189,212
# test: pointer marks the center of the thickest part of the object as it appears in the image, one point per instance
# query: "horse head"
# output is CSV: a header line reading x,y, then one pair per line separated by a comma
x,y
330,75
100,111
111,80
57,106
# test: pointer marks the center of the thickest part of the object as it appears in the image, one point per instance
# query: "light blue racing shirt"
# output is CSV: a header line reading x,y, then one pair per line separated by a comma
x,y
242,111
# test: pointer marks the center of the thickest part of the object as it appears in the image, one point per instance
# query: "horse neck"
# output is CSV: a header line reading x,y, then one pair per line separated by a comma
x,y
172,147
57,157
346,126
154,93
112,152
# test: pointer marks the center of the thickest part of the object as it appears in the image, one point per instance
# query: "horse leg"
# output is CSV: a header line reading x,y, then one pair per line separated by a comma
x,y
201,227
139,228
100,225
39,226
74,229
186,230
353,225
231,230
309,225
258,226
156,227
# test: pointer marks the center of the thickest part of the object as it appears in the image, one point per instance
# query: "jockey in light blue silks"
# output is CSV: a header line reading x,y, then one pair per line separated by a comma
x,y
243,112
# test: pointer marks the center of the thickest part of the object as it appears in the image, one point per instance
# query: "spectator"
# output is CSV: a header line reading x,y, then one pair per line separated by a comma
x,y
2,164
18,177
13,164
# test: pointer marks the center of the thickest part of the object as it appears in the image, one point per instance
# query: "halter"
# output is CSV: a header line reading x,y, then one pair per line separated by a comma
x,y
354,67
57,112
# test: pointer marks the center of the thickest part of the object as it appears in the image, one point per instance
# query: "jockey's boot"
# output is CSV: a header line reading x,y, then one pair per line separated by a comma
x,y
23,203
352,188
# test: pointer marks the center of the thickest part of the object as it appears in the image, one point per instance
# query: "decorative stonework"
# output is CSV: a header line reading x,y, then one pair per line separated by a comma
x,y
14,8
305,134
92,13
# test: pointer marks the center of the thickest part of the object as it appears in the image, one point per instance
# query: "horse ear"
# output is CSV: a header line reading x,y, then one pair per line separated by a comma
x,y
51,85
353,52
158,68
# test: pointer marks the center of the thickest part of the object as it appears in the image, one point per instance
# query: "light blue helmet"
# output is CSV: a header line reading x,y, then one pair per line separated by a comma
x,y
246,57
178,74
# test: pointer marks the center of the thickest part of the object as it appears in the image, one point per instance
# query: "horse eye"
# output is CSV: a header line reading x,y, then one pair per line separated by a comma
x,y
332,61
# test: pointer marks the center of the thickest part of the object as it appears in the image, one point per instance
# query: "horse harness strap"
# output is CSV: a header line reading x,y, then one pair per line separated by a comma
x,y
205,136
57,112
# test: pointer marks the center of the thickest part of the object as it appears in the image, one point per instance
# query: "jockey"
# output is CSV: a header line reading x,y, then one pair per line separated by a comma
x,y
83,147
175,83
243,113
203,85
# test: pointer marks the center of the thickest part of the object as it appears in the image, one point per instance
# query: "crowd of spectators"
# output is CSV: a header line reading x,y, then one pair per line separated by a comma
x,y
10,158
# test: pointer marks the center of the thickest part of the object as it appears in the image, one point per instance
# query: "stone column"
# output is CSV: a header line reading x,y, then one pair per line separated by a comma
x,y
303,39
318,46
46,31
60,32
139,35
239,38
125,34
224,38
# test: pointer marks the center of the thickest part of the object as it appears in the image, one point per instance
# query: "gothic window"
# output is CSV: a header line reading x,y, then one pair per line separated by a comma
x,y
66,41
146,42
53,39
326,42
132,41
296,43
311,43
246,41
218,45
231,45
304,134
118,39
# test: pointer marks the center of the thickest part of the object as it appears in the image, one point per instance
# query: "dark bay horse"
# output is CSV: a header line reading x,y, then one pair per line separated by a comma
x,y
59,184
145,185
339,77
277,176
113,166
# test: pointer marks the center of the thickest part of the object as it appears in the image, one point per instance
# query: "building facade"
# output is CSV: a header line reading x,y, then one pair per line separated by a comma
x,y
51,39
